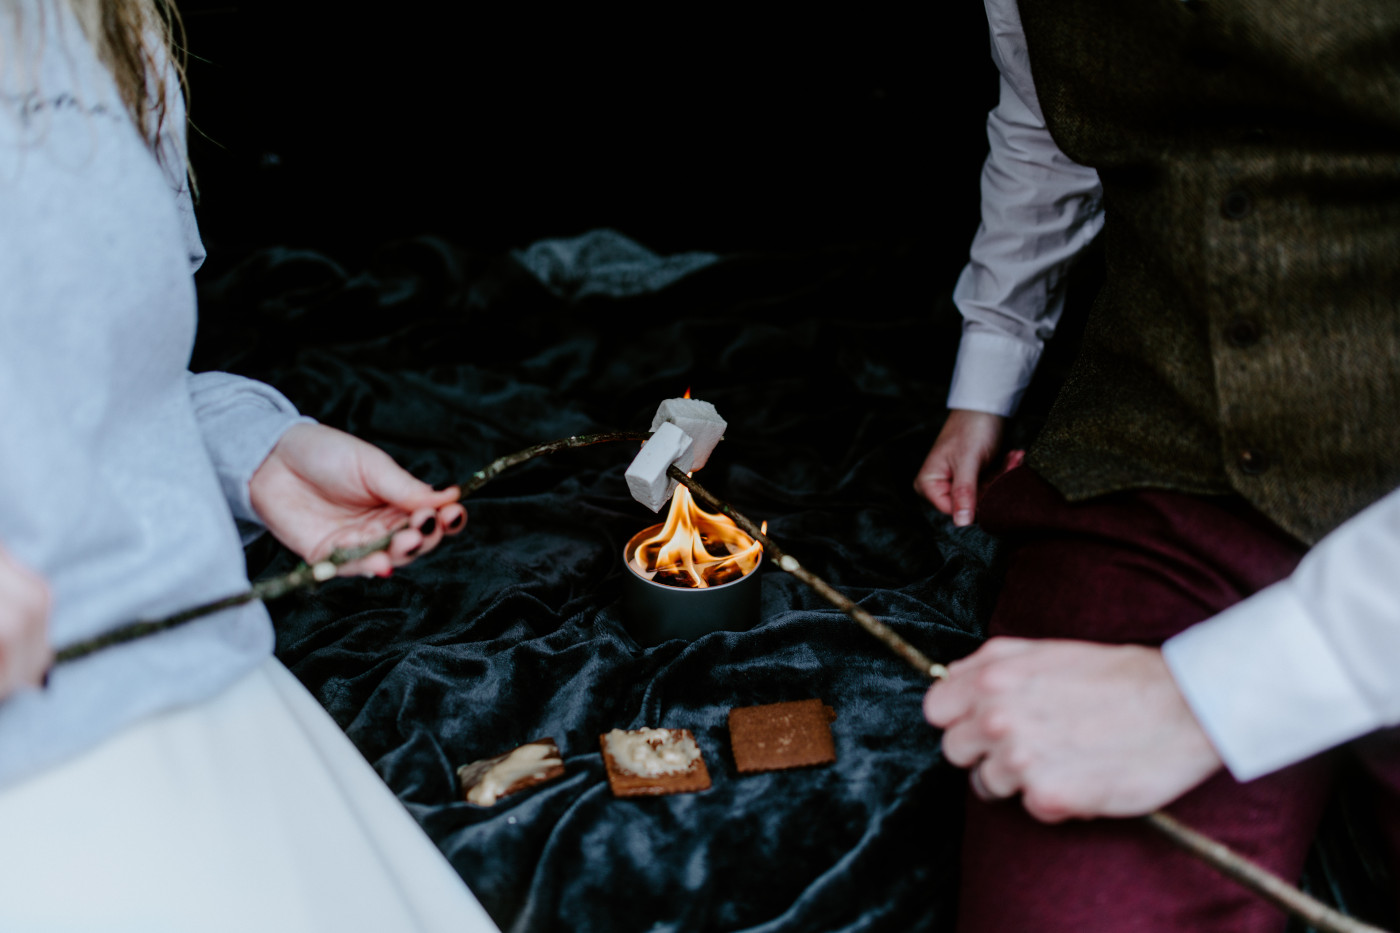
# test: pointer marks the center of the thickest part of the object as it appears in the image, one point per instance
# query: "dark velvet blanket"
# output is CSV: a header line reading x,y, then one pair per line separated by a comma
x,y
831,368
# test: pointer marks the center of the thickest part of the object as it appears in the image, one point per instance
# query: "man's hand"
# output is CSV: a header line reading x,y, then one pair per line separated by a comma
x,y
952,472
25,655
321,489
1078,729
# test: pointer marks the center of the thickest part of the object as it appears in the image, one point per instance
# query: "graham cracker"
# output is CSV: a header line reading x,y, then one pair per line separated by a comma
x,y
628,783
470,776
777,736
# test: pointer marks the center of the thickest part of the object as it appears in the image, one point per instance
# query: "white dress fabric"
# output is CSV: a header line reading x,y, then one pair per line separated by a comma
x,y
248,812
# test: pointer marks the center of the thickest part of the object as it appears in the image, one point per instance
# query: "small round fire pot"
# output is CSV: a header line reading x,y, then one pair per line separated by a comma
x,y
656,612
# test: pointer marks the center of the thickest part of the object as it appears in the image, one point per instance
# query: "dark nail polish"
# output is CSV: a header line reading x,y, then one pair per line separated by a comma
x,y
457,523
429,526
414,552
44,681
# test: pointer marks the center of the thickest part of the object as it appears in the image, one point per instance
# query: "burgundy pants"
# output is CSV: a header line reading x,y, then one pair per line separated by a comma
x,y
1139,567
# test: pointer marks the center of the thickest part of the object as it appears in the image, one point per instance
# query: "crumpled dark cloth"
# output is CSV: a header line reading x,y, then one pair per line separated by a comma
x,y
604,262
831,368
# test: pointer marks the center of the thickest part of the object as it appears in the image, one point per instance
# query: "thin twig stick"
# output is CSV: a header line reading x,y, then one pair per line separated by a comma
x,y
1258,879
491,471
913,656
306,576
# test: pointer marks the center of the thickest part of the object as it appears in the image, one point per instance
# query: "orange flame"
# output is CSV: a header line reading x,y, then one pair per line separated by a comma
x,y
695,548
687,392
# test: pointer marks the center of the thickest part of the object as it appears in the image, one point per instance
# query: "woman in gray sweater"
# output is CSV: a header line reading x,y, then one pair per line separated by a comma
x,y
127,488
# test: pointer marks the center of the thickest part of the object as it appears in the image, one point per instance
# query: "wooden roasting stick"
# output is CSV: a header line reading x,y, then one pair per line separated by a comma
x,y
306,576
1258,879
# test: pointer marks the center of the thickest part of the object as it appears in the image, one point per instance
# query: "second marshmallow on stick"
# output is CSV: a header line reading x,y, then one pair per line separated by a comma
x,y
685,433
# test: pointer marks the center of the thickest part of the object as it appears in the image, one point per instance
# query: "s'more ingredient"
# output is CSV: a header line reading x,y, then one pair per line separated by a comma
x,y
653,761
646,475
486,781
777,736
698,419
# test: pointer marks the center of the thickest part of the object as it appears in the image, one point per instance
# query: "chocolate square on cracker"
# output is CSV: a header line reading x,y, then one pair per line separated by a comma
x,y
781,735
649,762
486,781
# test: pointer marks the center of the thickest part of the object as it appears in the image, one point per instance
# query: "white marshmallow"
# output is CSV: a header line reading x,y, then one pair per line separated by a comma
x,y
696,418
646,477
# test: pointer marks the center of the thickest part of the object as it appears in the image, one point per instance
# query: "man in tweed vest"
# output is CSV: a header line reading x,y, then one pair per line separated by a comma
x,y
1204,587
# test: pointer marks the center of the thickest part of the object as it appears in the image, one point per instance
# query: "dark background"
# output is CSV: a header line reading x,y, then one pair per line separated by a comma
x,y
725,132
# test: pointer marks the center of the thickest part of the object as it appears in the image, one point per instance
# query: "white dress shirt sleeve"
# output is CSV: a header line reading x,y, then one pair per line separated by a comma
x,y
1039,210
1308,663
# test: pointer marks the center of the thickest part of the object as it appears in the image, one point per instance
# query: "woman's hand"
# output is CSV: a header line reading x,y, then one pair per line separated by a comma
x,y
25,655
951,475
321,489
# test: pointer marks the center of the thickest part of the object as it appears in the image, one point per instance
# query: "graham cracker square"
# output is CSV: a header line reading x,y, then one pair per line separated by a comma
x,y
781,735
638,766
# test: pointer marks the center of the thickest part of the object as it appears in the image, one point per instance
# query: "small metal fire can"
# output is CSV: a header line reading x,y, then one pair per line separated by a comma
x,y
657,612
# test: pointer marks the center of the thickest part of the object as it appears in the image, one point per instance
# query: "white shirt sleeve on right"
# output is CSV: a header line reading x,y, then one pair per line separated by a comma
x,y
1308,663
1039,210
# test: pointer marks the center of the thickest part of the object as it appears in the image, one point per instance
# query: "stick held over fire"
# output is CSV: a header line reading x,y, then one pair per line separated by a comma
x,y
685,433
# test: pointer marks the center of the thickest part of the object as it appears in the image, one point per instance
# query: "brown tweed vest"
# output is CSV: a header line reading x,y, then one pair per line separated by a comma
x,y
1247,337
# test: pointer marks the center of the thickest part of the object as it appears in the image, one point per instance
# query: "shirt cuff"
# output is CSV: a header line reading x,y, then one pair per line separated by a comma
x,y
241,420
1266,685
992,372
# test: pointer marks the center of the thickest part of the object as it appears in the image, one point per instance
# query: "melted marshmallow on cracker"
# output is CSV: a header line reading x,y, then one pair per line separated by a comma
x,y
652,752
527,761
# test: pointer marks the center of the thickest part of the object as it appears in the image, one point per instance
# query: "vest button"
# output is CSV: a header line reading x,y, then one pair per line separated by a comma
x,y
1237,204
1241,333
1253,462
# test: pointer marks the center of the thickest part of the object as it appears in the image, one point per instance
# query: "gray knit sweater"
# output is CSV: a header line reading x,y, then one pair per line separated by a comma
x,y
121,474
